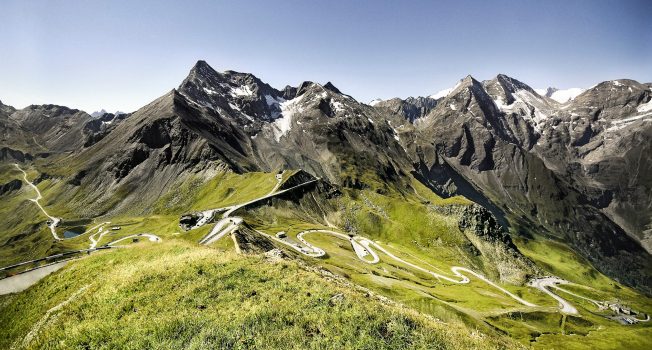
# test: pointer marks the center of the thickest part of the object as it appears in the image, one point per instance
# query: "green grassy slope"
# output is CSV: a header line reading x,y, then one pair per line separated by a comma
x,y
410,226
24,234
178,295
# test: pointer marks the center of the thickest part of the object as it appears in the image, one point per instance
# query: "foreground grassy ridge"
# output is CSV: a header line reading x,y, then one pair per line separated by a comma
x,y
176,295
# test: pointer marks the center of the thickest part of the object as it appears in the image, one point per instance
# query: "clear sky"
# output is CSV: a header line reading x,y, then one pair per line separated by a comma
x,y
123,54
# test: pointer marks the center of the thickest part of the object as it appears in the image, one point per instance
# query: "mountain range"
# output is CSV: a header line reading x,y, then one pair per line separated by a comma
x,y
576,171
488,215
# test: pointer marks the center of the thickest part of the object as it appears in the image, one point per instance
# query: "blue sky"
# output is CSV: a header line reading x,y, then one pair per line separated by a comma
x,y
123,54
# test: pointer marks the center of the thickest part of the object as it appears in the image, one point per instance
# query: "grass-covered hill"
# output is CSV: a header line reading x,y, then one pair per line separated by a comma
x,y
178,295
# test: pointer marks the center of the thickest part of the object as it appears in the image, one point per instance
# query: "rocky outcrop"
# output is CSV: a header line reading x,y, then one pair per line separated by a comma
x,y
480,221
9,154
10,186
495,246
250,241
412,108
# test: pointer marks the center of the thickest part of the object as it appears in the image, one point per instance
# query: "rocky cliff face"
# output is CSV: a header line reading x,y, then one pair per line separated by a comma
x,y
43,130
412,108
10,186
494,142
600,143
495,245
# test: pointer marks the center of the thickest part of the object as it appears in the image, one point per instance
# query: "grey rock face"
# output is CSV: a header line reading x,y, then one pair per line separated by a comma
x,y
484,225
10,186
521,152
412,108
241,95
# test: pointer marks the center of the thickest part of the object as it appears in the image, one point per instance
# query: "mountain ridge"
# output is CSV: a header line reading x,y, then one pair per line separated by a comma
x,y
497,141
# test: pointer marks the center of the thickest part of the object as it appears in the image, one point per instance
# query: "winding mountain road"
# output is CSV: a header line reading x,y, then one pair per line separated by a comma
x,y
221,228
228,224
365,248
54,221
542,284
25,279
152,238
101,232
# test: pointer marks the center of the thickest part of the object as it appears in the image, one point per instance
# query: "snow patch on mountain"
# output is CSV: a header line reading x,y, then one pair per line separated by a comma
x,y
645,107
237,108
282,125
210,91
375,102
530,105
563,96
338,106
445,92
271,101
623,123
243,90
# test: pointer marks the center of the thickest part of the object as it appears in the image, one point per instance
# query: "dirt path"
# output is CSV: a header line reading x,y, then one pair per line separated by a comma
x,y
54,221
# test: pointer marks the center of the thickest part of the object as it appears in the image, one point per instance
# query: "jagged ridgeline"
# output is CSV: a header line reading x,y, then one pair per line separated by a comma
x,y
488,183
576,171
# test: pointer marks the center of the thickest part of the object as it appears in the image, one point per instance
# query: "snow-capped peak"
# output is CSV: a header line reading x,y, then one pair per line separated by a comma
x,y
445,92
375,102
561,96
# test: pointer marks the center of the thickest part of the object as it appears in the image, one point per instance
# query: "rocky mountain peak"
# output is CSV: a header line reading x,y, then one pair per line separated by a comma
x,y
512,85
242,96
412,108
467,81
99,113
203,69
304,87
331,87
614,94
6,109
